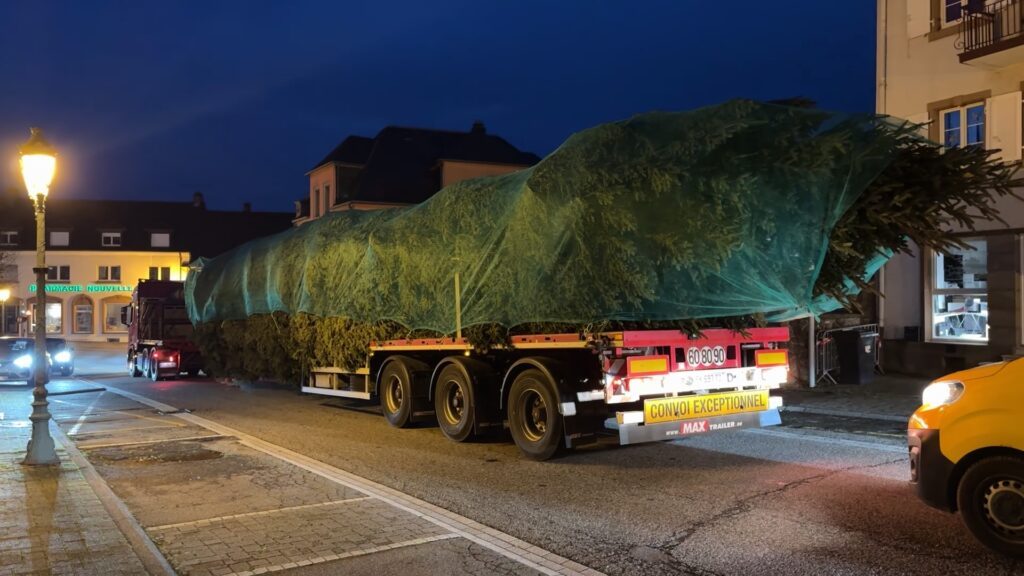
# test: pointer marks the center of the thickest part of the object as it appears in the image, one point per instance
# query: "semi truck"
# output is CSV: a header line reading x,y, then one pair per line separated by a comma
x,y
160,343
559,391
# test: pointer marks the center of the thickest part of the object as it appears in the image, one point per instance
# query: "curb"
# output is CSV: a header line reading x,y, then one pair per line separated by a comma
x,y
846,414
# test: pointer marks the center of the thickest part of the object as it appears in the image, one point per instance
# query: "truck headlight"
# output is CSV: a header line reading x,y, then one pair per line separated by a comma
x,y
63,356
941,393
24,361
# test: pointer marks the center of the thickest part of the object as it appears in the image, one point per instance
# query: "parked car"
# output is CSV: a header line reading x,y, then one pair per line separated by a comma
x,y
17,356
967,451
61,355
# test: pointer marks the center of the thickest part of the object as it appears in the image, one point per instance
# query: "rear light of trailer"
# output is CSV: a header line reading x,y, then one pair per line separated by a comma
x,y
769,358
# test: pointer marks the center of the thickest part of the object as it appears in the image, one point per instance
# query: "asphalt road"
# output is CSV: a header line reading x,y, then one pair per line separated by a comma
x,y
796,500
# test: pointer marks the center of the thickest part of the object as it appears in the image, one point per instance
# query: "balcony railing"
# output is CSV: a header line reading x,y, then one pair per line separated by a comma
x,y
990,26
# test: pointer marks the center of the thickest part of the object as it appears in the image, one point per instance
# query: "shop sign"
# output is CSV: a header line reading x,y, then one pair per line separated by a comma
x,y
55,288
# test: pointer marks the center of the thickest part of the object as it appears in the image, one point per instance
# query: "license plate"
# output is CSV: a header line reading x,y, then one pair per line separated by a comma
x,y
705,406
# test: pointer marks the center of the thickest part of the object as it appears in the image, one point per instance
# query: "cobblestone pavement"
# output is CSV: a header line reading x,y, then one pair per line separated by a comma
x,y
51,520
214,505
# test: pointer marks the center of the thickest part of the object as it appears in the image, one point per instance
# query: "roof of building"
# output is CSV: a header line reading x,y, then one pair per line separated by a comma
x,y
402,164
192,227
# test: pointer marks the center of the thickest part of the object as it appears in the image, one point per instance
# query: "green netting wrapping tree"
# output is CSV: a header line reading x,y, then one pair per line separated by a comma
x,y
735,212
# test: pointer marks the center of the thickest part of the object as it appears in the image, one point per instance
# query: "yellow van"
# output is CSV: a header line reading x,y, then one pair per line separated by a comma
x,y
967,451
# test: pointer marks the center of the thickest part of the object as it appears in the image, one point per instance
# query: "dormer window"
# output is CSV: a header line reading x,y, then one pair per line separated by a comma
x,y
160,240
111,239
60,238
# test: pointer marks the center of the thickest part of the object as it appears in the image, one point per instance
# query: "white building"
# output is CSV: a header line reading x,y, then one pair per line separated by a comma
x,y
958,65
98,250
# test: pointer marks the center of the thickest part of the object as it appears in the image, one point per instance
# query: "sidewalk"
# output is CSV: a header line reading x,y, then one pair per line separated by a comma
x,y
51,519
891,397
215,501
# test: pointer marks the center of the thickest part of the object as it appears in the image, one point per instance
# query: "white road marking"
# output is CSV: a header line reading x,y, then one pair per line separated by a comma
x,y
333,557
494,540
207,521
86,414
85,446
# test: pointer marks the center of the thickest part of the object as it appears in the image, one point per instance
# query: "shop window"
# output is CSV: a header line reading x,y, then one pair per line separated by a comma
x,y
959,293
54,317
112,314
83,315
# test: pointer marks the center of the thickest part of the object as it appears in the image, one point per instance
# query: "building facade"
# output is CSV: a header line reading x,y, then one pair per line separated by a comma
x,y
98,250
955,66
403,166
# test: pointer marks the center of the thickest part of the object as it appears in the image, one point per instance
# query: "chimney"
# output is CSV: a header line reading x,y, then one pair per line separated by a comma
x,y
478,128
198,202
246,207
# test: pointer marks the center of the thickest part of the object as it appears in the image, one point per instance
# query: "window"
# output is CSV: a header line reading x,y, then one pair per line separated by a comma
x,y
315,207
112,314
54,317
964,126
112,239
163,273
327,193
952,10
58,273
109,274
8,238
60,238
959,293
160,239
82,318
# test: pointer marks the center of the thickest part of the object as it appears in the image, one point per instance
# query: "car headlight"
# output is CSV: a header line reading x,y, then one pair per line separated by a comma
x,y
23,361
63,356
941,393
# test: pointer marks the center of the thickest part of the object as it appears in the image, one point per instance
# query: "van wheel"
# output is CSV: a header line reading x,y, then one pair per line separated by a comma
x,y
454,403
991,501
396,393
133,366
533,417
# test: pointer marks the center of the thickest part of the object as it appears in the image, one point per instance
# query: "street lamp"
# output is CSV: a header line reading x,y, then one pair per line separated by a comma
x,y
38,163
5,294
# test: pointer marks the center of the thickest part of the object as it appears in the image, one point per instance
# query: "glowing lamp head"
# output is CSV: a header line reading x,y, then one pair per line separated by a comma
x,y
5,294
38,164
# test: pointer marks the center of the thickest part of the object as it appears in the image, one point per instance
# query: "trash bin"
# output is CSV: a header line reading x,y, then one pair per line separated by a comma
x,y
856,351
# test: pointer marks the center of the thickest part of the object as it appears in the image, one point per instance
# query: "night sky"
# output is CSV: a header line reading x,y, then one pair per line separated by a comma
x,y
158,99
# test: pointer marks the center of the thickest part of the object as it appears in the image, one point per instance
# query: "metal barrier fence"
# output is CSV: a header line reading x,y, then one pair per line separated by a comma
x,y
827,354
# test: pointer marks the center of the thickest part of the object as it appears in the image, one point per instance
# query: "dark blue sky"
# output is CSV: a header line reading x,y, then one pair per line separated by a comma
x,y
157,99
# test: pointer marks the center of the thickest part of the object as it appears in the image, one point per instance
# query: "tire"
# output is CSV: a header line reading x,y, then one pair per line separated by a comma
x,y
990,497
396,393
454,403
133,366
193,373
153,371
533,417
65,372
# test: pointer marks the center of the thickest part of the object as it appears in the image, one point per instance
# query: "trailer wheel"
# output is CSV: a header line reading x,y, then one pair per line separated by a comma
x,y
154,369
533,417
396,393
454,403
133,366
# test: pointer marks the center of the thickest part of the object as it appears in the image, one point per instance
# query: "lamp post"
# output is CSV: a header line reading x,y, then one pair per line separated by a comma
x,y
5,294
38,163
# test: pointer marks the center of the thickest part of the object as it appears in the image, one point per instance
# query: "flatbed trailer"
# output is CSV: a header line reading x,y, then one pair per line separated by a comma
x,y
558,391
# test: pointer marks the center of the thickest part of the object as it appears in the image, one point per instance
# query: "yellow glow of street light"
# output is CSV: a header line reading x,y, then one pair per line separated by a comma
x,y
38,164
5,293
